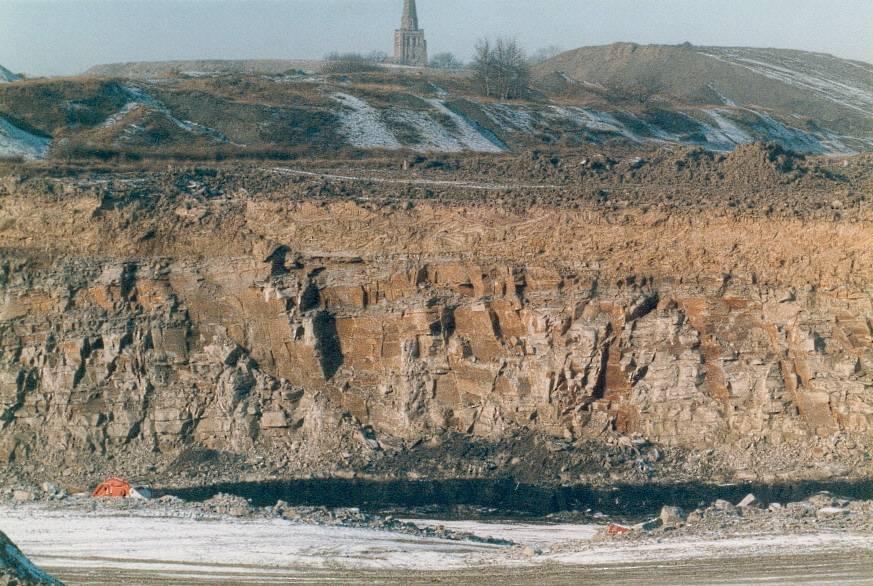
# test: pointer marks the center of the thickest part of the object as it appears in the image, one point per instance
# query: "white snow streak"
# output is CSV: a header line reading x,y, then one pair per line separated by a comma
x,y
811,76
726,135
140,99
467,134
362,124
15,142
367,127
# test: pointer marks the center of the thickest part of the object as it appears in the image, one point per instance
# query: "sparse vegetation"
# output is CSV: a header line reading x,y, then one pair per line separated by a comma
x,y
351,63
501,68
643,88
446,61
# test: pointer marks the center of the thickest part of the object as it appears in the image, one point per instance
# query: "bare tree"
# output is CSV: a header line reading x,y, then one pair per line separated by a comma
x,y
501,69
348,63
642,88
446,61
377,57
483,66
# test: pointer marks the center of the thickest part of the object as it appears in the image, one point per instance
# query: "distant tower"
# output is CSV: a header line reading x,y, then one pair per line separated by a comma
x,y
410,47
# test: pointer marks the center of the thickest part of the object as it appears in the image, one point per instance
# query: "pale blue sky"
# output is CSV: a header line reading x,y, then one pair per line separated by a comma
x,y
46,37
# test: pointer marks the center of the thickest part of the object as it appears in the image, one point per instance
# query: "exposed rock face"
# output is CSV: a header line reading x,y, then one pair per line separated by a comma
x,y
17,570
278,346
235,351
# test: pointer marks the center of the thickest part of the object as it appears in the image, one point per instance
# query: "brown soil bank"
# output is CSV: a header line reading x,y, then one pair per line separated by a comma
x,y
237,322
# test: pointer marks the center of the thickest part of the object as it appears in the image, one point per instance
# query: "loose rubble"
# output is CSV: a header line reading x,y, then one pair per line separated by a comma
x,y
721,519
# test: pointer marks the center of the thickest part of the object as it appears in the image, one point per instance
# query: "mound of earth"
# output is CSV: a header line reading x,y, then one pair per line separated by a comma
x,y
821,87
7,76
194,68
17,570
622,97
749,166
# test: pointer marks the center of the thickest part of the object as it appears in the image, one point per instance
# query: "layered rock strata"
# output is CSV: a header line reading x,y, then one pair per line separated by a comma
x,y
286,325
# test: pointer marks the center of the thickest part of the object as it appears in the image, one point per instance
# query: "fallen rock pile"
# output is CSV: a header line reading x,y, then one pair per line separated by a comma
x,y
821,512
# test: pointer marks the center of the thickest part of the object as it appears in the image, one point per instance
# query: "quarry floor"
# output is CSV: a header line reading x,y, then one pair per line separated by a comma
x,y
150,547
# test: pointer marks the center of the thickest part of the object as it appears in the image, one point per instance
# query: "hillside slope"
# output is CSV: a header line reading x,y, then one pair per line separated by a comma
x,y
154,69
621,97
7,76
834,92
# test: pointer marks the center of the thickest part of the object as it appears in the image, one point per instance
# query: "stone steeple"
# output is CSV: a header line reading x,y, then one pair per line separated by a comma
x,y
410,16
410,46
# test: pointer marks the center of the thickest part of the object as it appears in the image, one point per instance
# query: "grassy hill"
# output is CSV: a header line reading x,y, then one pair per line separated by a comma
x,y
835,93
623,96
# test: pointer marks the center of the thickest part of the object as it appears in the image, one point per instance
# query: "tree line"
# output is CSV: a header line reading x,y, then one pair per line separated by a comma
x,y
501,68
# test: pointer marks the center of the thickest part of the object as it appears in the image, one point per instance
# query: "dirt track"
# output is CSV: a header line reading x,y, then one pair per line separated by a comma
x,y
835,569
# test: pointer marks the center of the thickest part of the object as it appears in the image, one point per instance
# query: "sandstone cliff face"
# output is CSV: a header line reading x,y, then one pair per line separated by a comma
x,y
270,351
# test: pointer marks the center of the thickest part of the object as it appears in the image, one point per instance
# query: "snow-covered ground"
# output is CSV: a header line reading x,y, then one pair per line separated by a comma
x,y
15,142
367,127
138,98
7,76
852,89
362,125
721,129
72,541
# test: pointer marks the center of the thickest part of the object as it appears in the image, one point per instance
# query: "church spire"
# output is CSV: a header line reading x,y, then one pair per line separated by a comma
x,y
410,16
410,46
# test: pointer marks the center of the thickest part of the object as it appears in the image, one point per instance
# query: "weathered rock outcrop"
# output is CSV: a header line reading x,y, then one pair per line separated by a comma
x,y
304,344
17,570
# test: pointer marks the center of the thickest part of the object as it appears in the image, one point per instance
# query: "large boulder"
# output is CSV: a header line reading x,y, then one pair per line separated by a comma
x,y
17,570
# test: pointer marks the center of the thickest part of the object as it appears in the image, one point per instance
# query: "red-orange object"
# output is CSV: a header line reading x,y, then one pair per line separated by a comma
x,y
113,487
614,529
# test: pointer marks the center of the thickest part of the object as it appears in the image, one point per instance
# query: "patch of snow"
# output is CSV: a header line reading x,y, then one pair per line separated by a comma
x,y
727,133
434,136
588,84
723,133
6,76
362,124
471,137
790,138
725,100
510,118
175,545
140,99
119,116
15,142
367,127
809,74
70,538
440,91
593,120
